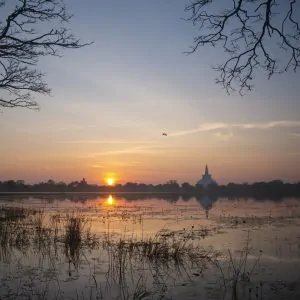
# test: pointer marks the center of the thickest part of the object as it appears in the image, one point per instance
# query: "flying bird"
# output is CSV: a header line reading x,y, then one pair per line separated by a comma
x,y
164,134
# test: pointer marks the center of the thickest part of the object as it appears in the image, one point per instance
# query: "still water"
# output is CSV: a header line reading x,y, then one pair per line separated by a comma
x,y
148,247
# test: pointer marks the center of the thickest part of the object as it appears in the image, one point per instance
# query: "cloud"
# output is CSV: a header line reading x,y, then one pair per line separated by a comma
x,y
126,164
57,128
105,142
135,150
295,134
294,154
203,127
268,125
131,124
151,150
229,126
97,166
117,164
224,135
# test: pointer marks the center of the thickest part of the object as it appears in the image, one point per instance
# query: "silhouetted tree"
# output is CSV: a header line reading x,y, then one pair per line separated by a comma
x,y
275,190
187,188
172,186
33,29
252,33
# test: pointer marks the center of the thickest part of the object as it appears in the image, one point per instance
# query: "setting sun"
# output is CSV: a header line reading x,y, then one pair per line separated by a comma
x,y
110,181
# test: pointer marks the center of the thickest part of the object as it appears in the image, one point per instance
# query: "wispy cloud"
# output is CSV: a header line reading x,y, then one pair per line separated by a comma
x,y
117,164
224,135
97,166
131,124
105,142
295,134
75,127
203,127
57,128
150,150
268,125
294,154
126,164
229,126
135,150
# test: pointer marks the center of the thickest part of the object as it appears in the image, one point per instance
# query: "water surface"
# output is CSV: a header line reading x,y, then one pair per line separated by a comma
x,y
44,261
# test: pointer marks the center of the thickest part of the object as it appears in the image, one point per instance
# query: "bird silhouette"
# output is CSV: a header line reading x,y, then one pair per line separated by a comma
x,y
164,134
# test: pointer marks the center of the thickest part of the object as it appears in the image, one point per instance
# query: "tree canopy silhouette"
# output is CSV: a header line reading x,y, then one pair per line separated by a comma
x,y
275,189
256,34
33,29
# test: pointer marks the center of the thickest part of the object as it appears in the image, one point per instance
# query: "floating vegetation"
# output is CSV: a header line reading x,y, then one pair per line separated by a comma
x,y
256,222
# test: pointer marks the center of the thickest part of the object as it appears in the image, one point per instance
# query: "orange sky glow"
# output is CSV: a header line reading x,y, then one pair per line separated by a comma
x,y
111,102
245,156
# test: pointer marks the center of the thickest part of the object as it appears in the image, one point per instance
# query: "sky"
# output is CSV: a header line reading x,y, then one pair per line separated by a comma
x,y
112,100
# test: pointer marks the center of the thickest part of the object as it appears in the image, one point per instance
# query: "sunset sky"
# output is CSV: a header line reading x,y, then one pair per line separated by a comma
x,y
112,100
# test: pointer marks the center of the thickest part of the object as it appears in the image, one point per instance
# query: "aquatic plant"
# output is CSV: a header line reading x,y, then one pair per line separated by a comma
x,y
236,273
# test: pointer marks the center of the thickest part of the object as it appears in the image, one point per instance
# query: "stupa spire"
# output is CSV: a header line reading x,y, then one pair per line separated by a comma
x,y
206,179
206,170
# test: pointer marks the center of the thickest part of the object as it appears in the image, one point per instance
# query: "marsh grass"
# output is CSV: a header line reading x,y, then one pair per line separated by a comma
x,y
166,256
26,229
23,229
73,237
12,213
78,237
12,232
163,248
236,273
135,268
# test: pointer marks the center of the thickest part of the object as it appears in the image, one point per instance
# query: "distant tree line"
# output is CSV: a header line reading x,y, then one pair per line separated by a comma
x,y
276,189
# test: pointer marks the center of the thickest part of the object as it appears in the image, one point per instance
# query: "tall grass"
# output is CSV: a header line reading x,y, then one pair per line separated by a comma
x,y
236,273
25,229
73,237
133,264
13,234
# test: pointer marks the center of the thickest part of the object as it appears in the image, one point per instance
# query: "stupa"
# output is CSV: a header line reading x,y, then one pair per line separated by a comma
x,y
206,179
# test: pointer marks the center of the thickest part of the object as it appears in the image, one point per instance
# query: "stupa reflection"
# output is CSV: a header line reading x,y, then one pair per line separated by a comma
x,y
207,203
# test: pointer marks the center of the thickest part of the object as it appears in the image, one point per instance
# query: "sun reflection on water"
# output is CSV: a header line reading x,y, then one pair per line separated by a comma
x,y
110,200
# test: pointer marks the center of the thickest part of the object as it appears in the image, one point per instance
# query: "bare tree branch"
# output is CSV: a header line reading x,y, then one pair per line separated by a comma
x,y
23,43
251,32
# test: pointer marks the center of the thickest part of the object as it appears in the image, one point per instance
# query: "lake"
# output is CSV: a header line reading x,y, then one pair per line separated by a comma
x,y
143,246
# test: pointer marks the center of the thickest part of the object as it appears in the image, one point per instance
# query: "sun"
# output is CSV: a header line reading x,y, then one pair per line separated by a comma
x,y
110,181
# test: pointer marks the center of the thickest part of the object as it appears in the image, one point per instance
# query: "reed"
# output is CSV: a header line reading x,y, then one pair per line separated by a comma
x,y
236,273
